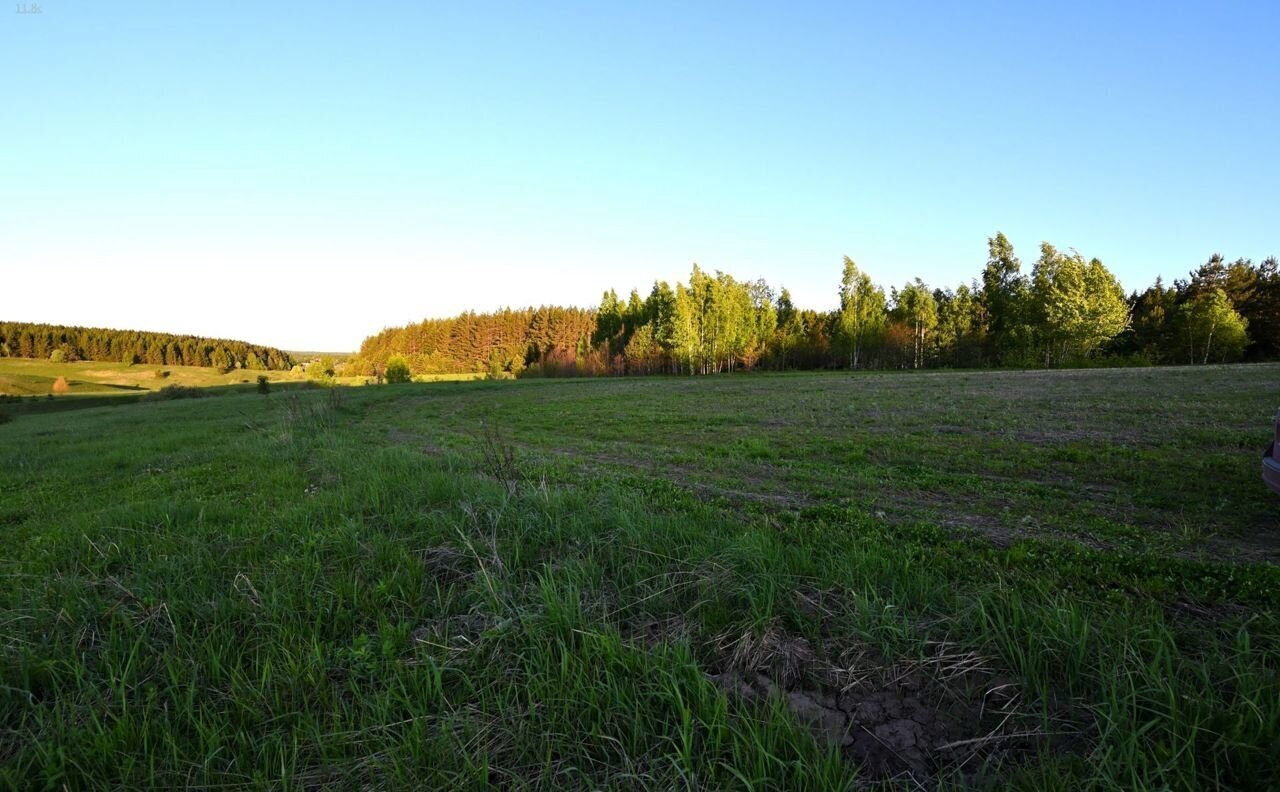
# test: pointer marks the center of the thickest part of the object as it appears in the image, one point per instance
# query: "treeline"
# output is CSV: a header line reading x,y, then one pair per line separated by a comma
x,y
557,340
58,342
1221,311
1066,310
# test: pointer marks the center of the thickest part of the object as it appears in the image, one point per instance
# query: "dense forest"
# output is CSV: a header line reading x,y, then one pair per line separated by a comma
x,y
57,342
1067,310
557,340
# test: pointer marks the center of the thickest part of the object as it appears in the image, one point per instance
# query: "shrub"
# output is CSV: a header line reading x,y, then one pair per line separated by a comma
x,y
496,370
499,460
264,384
60,385
321,368
397,370
176,392
58,356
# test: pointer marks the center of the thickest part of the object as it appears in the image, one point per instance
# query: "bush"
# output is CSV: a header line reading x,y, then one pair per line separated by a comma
x,y
499,460
58,356
176,392
397,370
60,385
264,384
321,368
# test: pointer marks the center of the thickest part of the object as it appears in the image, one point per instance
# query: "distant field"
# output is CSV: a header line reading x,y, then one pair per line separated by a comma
x,y
1031,580
23,377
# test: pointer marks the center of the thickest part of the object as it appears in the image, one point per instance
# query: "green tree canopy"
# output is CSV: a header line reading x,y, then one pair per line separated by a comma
x,y
915,308
1212,330
1003,298
1065,310
1081,304
862,312
27,340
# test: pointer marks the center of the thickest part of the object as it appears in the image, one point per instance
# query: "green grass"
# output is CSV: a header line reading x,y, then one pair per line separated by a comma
x,y
27,385
1061,580
25,377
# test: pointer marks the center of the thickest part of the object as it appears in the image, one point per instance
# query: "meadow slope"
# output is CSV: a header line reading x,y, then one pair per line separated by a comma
x,y
25,377
1039,580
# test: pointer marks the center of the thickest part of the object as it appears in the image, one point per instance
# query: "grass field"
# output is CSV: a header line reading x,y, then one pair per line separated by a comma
x,y
1038,580
25,378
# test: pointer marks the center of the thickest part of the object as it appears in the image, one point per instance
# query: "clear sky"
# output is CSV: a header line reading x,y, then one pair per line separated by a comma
x,y
306,173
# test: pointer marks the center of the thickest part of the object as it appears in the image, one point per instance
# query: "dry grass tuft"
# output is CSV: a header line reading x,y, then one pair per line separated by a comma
x,y
786,658
499,461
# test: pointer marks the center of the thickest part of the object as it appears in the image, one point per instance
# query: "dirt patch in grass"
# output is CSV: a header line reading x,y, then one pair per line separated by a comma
x,y
967,515
687,477
949,716
1260,546
1062,436
730,494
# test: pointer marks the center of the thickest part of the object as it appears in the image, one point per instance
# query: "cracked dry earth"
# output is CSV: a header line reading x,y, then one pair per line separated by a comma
x,y
922,724
885,733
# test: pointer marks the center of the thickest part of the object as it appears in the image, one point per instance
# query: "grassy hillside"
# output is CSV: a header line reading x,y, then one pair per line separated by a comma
x,y
23,377
1060,580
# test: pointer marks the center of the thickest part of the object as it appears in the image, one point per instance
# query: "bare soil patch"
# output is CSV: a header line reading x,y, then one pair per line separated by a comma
x,y
949,716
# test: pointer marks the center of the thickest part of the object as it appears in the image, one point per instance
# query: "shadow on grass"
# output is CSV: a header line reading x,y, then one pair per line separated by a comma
x,y
124,394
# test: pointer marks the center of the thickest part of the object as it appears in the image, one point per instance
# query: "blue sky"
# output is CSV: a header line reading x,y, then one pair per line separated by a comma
x,y
304,174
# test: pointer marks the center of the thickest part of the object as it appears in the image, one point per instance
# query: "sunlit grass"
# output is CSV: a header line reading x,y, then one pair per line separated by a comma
x,y
564,585
19,376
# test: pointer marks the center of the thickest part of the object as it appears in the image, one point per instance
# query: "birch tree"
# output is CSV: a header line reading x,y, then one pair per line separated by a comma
x,y
862,311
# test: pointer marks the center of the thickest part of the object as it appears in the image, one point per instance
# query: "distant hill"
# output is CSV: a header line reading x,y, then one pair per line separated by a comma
x,y
307,354
60,342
